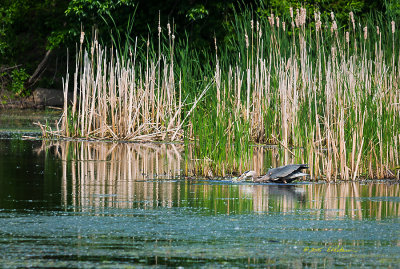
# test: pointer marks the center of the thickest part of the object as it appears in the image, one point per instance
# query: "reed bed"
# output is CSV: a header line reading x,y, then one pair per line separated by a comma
x,y
124,96
306,84
326,95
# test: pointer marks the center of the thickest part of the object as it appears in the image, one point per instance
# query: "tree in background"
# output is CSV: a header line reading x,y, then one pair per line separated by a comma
x,y
34,34
26,27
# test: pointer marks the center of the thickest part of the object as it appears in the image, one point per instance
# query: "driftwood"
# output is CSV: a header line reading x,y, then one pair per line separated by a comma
x,y
38,71
8,68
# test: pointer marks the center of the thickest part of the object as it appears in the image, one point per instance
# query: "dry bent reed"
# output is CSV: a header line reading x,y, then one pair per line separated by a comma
x,y
328,97
123,98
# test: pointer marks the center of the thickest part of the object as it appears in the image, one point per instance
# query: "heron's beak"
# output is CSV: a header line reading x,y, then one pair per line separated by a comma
x,y
236,179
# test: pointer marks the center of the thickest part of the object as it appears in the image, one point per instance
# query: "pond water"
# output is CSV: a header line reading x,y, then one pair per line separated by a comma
x,y
23,120
104,205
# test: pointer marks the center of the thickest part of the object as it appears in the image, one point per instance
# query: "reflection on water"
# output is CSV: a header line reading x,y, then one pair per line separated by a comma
x,y
101,175
355,200
106,174
70,204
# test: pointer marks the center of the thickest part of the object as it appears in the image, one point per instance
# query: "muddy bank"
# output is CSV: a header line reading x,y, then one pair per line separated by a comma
x,y
40,98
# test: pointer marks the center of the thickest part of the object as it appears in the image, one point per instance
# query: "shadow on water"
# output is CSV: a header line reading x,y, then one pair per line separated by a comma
x,y
84,204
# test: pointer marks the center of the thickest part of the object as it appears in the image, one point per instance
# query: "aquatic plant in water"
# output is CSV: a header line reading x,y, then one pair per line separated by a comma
x,y
330,92
118,97
327,95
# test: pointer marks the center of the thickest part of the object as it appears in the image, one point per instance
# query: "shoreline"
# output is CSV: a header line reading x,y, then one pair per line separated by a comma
x,y
36,136
40,98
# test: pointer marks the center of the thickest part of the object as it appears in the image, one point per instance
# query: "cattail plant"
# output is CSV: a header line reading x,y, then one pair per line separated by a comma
x,y
122,98
331,100
326,96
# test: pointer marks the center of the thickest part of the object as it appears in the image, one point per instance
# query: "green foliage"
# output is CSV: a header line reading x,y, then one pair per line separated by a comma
x,y
19,76
392,9
341,8
104,16
8,13
58,37
26,24
28,28
92,8
197,13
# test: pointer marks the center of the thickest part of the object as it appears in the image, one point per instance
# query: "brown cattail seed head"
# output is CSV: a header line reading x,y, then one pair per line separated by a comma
x,y
347,37
393,27
303,16
352,19
318,25
333,27
82,37
159,24
297,19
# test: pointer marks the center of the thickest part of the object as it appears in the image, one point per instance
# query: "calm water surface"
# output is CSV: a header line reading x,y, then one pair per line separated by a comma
x,y
70,204
22,120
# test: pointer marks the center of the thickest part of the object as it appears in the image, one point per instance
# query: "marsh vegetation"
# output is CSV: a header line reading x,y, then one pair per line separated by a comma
x,y
326,95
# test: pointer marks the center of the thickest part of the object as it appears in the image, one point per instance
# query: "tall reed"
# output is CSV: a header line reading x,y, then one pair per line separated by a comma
x,y
331,91
298,82
126,97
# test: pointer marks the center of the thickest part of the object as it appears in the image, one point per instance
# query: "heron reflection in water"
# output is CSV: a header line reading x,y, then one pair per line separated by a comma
x,y
281,174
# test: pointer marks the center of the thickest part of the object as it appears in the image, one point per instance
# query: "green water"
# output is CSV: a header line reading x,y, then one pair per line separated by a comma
x,y
22,120
103,205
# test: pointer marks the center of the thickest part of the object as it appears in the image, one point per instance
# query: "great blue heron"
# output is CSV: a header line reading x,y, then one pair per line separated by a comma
x,y
281,174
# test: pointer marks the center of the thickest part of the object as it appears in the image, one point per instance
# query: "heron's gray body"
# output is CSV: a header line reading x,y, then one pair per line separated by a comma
x,y
282,174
